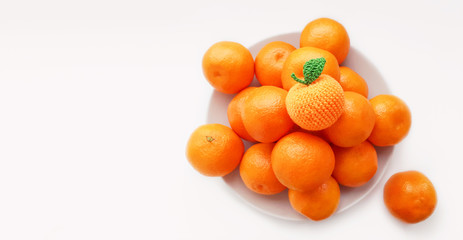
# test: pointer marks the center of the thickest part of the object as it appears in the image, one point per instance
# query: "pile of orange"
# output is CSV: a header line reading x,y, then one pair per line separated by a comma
x,y
311,122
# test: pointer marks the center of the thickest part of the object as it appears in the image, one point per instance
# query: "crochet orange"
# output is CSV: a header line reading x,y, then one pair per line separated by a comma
x,y
317,101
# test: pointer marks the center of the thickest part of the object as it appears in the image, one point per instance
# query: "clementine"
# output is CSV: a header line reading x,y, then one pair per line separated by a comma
x,y
410,196
214,150
393,120
302,161
264,114
256,170
352,81
234,112
327,34
228,67
269,63
355,123
319,203
356,165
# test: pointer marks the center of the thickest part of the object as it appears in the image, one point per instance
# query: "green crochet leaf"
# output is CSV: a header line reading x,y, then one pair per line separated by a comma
x,y
311,70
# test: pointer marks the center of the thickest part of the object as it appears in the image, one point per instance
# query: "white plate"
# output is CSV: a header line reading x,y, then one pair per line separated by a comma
x,y
278,205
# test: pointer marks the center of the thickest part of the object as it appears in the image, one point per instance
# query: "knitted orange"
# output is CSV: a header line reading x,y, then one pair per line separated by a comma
x,y
318,101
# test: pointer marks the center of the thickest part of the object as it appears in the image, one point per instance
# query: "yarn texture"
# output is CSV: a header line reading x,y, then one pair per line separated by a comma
x,y
316,106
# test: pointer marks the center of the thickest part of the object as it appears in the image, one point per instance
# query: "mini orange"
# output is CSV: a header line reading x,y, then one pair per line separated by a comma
x,y
256,170
269,63
319,203
264,115
393,120
234,112
352,81
214,150
355,124
228,67
356,165
327,34
302,161
410,196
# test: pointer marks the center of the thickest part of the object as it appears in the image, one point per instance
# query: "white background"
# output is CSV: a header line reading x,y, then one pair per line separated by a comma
x,y
98,98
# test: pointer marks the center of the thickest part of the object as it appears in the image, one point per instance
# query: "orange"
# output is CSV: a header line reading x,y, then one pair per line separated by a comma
x,y
214,150
393,120
264,114
234,112
319,203
355,123
297,59
352,81
256,170
326,34
410,196
316,106
228,67
302,161
356,165
269,62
